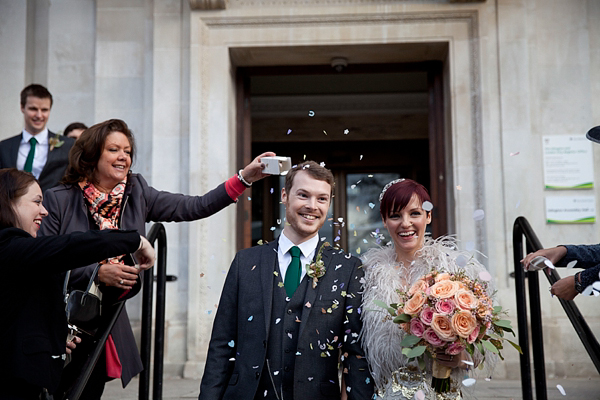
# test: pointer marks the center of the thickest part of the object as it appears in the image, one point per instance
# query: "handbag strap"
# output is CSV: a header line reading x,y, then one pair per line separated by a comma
x,y
89,286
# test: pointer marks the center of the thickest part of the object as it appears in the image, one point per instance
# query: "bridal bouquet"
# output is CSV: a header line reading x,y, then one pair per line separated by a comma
x,y
450,312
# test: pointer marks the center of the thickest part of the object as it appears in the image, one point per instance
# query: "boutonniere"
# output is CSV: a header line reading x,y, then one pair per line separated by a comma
x,y
317,268
55,142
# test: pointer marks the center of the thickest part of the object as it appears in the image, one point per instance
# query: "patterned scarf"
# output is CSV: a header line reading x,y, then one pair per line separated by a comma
x,y
105,208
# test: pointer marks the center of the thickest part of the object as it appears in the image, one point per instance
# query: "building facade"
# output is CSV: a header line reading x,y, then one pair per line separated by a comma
x,y
456,94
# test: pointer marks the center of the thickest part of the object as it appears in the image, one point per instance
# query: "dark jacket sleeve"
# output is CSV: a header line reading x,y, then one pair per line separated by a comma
x,y
63,252
359,383
176,207
588,258
223,342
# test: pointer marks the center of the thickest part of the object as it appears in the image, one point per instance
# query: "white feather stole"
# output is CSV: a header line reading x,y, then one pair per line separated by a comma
x,y
383,276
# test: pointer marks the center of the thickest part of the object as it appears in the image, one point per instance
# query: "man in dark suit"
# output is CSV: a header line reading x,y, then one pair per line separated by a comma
x,y
37,150
290,310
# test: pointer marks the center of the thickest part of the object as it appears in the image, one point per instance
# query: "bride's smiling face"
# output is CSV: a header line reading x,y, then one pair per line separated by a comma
x,y
407,228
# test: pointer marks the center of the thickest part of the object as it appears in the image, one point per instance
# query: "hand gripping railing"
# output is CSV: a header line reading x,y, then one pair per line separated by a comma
x,y
157,232
522,229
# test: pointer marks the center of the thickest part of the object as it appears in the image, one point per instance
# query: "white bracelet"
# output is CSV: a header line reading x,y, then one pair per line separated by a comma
x,y
241,178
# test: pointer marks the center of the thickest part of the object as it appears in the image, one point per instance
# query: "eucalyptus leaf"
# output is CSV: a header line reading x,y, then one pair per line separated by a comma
x,y
503,323
489,346
401,318
416,351
410,341
516,346
385,306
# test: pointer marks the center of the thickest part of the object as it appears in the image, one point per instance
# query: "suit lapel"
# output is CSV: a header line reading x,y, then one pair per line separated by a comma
x,y
51,154
268,263
311,294
13,152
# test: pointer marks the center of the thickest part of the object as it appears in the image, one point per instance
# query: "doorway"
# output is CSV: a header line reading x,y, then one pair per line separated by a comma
x,y
369,124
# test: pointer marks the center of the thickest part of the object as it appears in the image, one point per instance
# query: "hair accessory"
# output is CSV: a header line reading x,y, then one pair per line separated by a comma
x,y
389,185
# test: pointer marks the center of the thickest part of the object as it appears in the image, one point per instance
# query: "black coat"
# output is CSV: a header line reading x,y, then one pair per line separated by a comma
x,y
34,326
237,351
141,204
56,164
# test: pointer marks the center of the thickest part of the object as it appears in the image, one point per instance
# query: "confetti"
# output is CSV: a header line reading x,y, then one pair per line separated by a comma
x,y
572,264
273,229
518,204
485,276
208,312
250,318
361,156
420,395
468,362
272,190
278,221
561,390
478,215
253,268
201,274
549,264
461,261
249,198
278,320
325,132
469,382
514,154
372,205
338,267
364,240
358,250
346,131
427,206
308,305
458,187
289,131
265,395
311,113
231,344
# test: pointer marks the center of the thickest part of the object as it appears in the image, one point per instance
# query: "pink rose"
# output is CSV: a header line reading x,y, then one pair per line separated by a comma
x,y
430,336
442,327
445,306
473,336
416,327
426,315
455,348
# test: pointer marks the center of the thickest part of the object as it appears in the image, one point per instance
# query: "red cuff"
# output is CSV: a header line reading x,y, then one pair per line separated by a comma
x,y
234,187
113,364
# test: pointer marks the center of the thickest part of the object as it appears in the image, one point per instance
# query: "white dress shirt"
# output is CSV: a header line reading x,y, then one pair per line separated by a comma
x,y
284,257
41,152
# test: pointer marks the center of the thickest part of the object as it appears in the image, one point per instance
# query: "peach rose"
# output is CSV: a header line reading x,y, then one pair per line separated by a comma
x,y
444,276
465,299
418,286
464,323
414,304
442,327
444,289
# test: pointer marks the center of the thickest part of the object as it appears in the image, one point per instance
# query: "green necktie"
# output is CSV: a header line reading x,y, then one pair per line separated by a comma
x,y
292,275
29,162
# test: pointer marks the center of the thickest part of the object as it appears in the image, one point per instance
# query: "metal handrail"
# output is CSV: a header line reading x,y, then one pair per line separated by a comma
x,y
157,232
521,228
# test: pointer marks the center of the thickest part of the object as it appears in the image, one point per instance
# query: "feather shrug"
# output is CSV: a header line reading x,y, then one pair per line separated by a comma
x,y
380,336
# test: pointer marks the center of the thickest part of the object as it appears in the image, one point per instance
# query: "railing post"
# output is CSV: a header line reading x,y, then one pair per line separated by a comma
x,y
522,330
159,327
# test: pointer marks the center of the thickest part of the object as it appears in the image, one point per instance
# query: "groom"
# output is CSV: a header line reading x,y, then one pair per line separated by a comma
x,y
278,333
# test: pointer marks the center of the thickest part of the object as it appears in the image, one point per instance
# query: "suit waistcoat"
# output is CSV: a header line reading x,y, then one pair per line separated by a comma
x,y
283,342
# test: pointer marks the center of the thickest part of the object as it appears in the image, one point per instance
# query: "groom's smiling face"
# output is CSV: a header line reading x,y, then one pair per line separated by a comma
x,y
306,207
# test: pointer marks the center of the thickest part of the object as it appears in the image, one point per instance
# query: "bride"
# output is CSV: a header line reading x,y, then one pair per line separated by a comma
x,y
405,208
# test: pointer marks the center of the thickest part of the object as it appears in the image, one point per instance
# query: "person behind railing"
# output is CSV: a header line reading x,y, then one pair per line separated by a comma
x,y
587,257
34,324
100,192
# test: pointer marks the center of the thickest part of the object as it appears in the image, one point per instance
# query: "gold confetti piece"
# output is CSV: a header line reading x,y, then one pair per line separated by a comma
x,y
355,233
280,284
329,310
358,251
275,273
343,293
305,157
311,347
349,311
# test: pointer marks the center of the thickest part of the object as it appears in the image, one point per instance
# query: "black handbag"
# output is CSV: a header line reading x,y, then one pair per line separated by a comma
x,y
84,308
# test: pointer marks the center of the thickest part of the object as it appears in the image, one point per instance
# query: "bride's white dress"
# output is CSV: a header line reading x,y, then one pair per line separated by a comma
x,y
394,376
